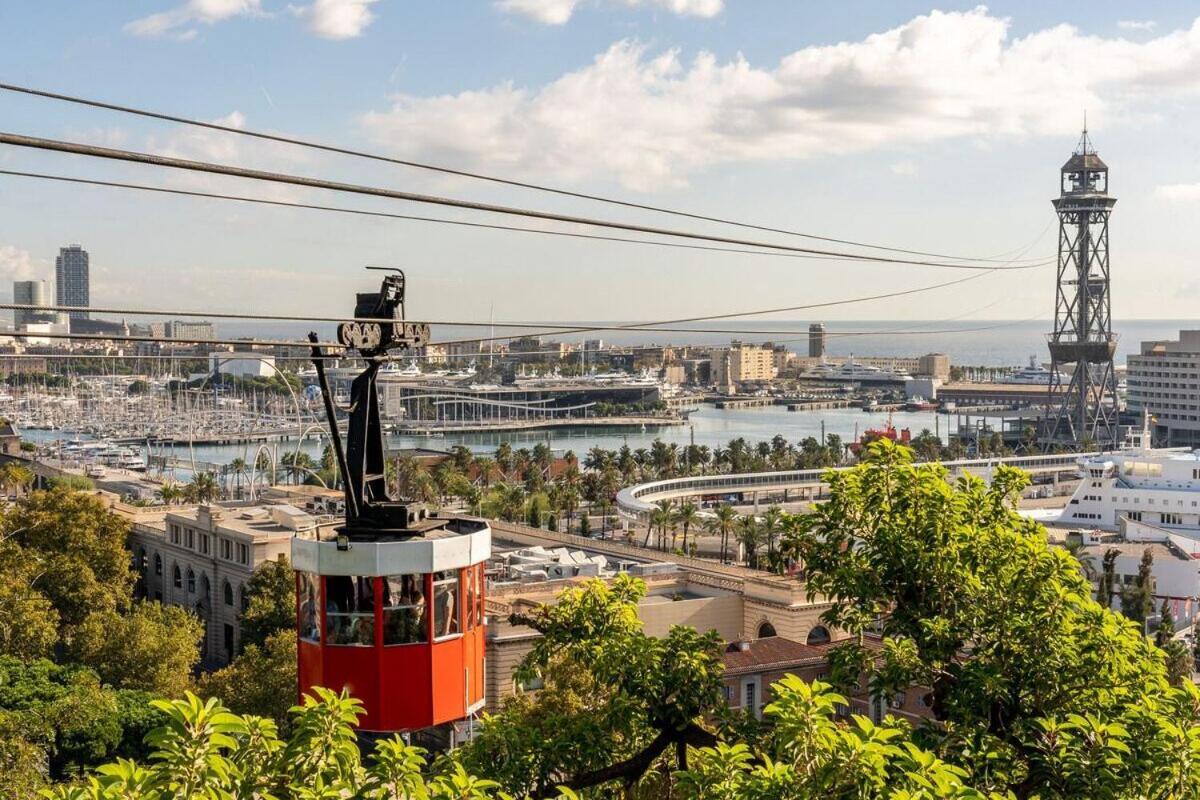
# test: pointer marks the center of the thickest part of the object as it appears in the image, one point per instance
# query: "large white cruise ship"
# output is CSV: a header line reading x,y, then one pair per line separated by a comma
x,y
1151,494
1034,374
852,370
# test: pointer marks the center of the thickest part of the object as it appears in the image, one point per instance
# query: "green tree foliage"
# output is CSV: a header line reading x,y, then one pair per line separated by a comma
x,y
205,751
28,620
270,602
615,699
972,602
810,754
79,549
1137,600
59,719
72,483
260,681
152,648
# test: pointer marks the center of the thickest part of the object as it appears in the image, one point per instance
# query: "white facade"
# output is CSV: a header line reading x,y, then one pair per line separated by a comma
x,y
242,365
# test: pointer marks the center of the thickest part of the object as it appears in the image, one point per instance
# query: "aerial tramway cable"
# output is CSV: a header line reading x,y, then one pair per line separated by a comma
x,y
130,156
446,221
291,140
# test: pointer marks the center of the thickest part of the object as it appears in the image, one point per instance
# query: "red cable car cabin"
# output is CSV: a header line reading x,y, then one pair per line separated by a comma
x,y
397,622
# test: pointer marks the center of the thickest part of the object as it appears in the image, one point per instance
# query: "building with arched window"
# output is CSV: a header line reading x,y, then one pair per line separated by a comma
x,y
191,552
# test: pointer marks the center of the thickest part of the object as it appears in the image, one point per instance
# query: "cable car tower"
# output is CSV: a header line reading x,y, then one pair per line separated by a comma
x,y
1086,409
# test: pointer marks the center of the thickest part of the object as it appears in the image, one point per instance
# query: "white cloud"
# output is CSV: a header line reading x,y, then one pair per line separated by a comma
x,y
18,265
337,19
1180,192
1137,24
180,21
907,168
559,12
652,119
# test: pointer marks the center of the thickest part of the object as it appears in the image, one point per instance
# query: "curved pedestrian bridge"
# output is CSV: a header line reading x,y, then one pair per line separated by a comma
x,y
639,500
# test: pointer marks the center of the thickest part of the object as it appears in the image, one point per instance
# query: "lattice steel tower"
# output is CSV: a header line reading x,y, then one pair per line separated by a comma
x,y
1082,335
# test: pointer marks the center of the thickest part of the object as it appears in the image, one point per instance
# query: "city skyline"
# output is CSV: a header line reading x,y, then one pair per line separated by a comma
x,y
735,126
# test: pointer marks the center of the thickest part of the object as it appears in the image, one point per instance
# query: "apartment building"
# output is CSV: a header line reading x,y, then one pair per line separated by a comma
x,y
743,363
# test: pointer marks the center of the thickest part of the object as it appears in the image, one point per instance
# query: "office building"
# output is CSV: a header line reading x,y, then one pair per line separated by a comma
x,y
1164,381
816,340
31,293
193,330
72,285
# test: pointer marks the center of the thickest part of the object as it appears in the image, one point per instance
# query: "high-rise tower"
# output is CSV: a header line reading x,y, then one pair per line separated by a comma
x,y
72,285
1082,336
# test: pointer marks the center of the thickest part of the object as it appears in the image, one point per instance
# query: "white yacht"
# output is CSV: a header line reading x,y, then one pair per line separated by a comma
x,y
865,373
1033,375
1152,494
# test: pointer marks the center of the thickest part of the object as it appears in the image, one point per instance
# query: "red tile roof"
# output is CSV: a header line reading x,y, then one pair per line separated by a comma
x,y
771,653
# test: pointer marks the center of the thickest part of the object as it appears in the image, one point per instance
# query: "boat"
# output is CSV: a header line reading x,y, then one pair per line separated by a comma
x,y
888,431
131,461
918,403
869,404
1152,494
94,471
1033,375
853,371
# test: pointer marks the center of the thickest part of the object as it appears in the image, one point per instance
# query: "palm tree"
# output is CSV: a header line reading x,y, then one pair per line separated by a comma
x,y
772,521
726,517
238,467
660,517
750,537
504,459
169,493
483,470
687,516
203,488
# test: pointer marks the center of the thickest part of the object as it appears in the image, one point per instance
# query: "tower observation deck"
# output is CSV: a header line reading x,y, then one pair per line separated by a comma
x,y
1082,335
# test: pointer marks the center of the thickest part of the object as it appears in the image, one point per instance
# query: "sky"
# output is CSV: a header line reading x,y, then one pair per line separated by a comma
x,y
936,128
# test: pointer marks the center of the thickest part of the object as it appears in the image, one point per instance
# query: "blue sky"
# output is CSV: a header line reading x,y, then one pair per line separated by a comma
x,y
932,127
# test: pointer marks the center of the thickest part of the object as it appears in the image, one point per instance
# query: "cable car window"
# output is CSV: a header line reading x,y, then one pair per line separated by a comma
x,y
309,617
405,612
350,610
445,604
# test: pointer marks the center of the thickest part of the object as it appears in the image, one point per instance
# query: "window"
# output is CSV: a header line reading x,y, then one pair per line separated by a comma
x,y
191,581
445,604
350,610
309,619
189,538
227,591
140,561
228,639
818,635
766,630
177,577
174,534
750,697
470,607
157,564
244,600
204,587
204,543
226,549
405,612
243,552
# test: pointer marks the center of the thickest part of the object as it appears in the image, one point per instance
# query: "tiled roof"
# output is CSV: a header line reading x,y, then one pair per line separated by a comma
x,y
771,653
